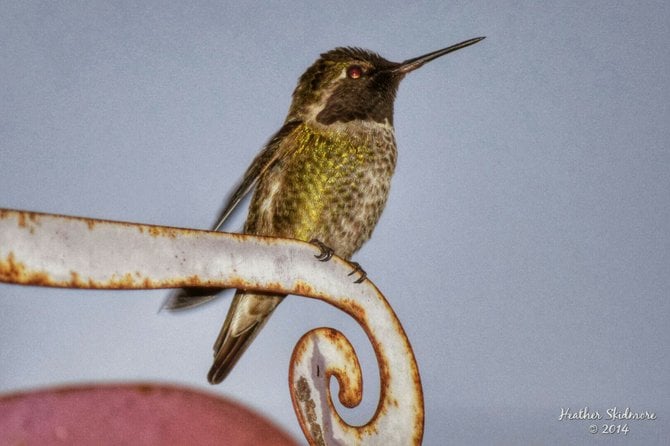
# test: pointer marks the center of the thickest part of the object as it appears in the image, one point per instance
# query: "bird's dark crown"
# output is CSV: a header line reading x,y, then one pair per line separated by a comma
x,y
352,53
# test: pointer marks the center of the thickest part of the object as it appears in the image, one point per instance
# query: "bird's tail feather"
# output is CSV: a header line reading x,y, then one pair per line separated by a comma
x,y
186,298
247,315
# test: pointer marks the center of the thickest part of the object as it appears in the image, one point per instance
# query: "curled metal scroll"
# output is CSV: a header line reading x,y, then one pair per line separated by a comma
x,y
60,251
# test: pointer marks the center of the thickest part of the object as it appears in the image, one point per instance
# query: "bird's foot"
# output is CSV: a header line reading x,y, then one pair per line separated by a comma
x,y
326,252
359,270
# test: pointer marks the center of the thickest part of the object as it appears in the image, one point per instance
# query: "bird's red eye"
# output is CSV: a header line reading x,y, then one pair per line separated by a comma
x,y
354,72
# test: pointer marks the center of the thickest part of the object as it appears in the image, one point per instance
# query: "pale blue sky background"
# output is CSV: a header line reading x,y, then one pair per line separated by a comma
x,y
525,245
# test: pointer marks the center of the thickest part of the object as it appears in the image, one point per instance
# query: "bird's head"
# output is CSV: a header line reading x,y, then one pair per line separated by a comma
x,y
348,84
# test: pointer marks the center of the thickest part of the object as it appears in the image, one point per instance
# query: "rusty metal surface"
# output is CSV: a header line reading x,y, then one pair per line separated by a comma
x,y
52,250
324,353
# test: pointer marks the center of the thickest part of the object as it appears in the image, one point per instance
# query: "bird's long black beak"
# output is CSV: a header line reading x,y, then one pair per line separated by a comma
x,y
412,64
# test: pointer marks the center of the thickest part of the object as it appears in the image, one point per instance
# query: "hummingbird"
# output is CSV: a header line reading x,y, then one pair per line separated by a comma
x,y
323,177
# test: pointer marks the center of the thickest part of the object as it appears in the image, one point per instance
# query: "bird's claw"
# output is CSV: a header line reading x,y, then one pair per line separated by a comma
x,y
326,252
358,269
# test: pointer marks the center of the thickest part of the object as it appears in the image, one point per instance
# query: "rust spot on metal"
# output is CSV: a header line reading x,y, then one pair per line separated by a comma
x,y
27,220
302,390
273,286
26,217
126,280
304,289
355,309
75,279
10,269
162,231
299,352
147,283
304,396
14,271
195,279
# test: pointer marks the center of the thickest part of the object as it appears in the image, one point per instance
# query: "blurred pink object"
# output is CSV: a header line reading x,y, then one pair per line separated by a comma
x,y
131,414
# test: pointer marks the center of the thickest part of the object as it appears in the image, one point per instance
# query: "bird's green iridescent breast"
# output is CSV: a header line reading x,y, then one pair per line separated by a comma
x,y
320,177
331,185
